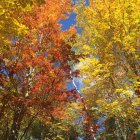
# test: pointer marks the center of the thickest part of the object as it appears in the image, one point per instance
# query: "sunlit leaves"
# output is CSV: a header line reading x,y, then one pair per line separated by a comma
x,y
110,68
35,62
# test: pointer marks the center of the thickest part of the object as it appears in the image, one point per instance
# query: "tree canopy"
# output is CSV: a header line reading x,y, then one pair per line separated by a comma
x,y
39,61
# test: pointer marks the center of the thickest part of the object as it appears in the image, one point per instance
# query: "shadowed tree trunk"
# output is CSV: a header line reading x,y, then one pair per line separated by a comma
x,y
17,119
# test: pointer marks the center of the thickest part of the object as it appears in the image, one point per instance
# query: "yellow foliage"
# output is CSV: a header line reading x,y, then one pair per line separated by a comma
x,y
110,41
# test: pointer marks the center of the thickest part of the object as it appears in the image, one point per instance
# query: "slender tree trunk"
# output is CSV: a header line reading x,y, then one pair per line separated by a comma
x,y
5,100
92,135
17,119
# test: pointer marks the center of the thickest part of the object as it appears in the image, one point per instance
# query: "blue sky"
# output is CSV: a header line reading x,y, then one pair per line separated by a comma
x,y
66,23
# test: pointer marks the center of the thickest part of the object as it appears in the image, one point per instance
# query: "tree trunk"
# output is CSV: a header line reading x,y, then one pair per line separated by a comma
x,y
5,100
17,119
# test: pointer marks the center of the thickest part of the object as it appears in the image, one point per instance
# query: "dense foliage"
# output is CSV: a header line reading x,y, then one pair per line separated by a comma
x,y
38,60
111,67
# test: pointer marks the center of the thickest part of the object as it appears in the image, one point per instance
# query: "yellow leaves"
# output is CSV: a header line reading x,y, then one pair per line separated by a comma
x,y
110,108
77,106
52,74
117,108
133,76
59,137
62,127
27,8
92,69
136,84
57,129
11,23
87,50
20,28
111,68
126,92
88,12
136,102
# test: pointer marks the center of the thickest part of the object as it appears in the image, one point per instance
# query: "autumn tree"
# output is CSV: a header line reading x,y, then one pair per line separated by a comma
x,y
110,43
35,66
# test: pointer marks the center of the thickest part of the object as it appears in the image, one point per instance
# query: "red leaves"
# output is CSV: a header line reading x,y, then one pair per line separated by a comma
x,y
18,66
50,12
88,118
38,64
76,73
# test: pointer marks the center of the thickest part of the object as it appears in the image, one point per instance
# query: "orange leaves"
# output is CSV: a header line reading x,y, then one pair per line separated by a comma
x,y
60,113
50,12
19,66
38,63
28,52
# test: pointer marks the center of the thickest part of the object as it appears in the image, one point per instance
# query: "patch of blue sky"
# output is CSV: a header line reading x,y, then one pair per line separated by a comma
x,y
4,71
80,138
71,20
79,30
79,1
87,2
100,122
67,23
78,83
